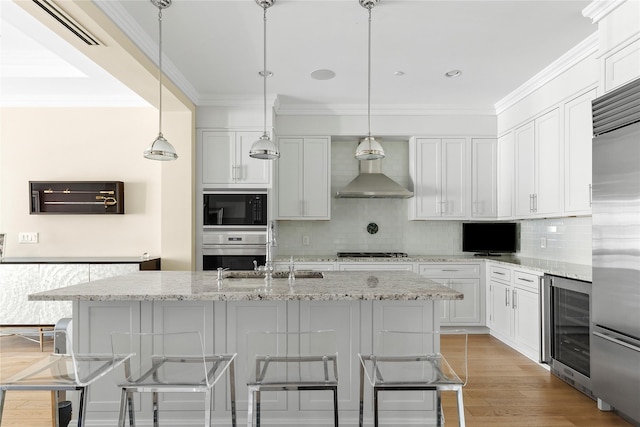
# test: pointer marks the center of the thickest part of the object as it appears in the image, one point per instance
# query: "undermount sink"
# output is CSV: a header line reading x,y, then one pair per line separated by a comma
x,y
252,274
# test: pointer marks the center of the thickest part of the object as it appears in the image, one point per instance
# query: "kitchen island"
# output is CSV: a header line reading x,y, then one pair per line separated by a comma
x,y
354,304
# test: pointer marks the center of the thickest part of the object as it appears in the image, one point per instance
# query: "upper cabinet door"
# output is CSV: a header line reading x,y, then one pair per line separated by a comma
x,y
226,161
438,168
578,128
248,169
525,170
427,177
484,170
218,157
454,178
304,178
549,164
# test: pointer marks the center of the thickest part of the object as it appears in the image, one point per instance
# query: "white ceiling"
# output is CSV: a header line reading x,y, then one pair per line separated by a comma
x,y
213,50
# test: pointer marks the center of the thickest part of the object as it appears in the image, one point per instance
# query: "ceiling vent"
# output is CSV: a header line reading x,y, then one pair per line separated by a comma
x,y
68,22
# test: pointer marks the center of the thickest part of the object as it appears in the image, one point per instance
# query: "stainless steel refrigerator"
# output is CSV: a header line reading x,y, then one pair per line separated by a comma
x,y
615,341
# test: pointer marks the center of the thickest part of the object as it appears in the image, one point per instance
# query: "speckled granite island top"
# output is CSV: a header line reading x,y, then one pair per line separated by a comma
x,y
203,286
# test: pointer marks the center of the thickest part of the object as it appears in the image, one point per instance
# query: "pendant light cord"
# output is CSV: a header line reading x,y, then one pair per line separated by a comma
x,y
160,69
369,76
264,69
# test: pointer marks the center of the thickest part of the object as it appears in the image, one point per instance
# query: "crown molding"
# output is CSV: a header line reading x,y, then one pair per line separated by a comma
x,y
585,48
382,110
598,9
132,29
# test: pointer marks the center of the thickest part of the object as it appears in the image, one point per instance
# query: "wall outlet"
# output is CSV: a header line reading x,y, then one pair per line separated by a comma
x,y
305,240
543,242
27,237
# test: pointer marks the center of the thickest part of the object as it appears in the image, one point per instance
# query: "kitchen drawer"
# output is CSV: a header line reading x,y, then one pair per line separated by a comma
x,y
529,280
502,274
449,270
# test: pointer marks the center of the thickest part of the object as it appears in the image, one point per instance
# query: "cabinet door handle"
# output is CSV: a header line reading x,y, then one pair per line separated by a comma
x,y
530,202
590,194
515,299
499,273
525,280
443,207
506,297
535,202
450,269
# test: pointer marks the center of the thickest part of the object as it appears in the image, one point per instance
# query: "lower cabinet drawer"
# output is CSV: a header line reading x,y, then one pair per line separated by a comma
x,y
502,274
529,280
449,270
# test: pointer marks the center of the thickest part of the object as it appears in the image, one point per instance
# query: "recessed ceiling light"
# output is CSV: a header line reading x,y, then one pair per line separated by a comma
x,y
453,73
269,73
399,73
322,74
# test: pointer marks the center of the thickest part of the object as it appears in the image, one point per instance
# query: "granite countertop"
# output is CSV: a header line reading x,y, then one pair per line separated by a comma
x,y
563,269
202,286
76,260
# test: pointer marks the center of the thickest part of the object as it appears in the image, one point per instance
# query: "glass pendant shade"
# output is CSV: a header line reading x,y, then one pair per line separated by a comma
x,y
369,149
160,149
264,149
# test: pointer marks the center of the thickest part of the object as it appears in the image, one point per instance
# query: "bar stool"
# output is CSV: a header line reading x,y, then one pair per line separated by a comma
x,y
170,362
404,361
61,372
289,361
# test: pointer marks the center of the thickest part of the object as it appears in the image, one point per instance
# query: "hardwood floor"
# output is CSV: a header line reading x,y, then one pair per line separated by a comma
x,y
505,389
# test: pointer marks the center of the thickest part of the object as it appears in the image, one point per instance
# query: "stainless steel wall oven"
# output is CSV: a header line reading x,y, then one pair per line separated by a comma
x,y
235,250
566,335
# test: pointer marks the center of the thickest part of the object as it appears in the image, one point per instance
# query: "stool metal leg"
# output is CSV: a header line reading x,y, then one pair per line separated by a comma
x,y
132,409
361,415
123,407
460,408
375,407
232,392
438,409
208,408
2,392
82,410
154,399
335,406
258,408
250,406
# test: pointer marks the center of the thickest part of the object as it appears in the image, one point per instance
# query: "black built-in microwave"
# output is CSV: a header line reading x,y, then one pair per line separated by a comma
x,y
237,209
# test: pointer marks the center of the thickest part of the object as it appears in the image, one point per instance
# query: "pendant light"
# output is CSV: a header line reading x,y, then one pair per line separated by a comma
x,y
369,148
264,148
160,149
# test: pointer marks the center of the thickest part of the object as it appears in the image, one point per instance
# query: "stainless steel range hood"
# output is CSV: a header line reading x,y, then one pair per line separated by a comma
x,y
372,183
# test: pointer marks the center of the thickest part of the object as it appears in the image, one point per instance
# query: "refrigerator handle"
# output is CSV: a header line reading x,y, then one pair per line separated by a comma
x,y
617,341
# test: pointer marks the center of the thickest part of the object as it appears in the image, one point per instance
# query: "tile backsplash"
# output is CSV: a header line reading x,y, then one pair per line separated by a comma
x,y
566,239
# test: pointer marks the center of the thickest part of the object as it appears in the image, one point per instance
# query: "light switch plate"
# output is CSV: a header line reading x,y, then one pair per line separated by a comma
x,y
28,237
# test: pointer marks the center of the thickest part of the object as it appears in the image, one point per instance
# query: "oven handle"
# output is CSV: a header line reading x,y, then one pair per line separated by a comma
x,y
617,341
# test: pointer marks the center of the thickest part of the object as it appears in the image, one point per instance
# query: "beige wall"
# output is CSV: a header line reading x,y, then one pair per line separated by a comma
x,y
81,144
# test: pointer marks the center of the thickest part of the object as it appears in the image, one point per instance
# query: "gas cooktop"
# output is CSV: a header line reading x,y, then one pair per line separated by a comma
x,y
372,255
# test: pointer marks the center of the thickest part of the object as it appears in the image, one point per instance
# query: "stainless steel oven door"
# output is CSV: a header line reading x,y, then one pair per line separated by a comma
x,y
235,250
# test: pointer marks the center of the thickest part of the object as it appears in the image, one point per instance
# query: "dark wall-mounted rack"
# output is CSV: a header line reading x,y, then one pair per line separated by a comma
x,y
76,197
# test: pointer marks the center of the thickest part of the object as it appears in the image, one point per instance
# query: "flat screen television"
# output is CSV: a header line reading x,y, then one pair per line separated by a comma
x,y
489,238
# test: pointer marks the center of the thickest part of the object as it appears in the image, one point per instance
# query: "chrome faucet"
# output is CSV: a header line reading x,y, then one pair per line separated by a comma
x,y
268,264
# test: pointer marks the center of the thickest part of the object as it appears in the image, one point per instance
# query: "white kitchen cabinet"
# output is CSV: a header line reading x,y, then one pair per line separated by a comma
x,y
538,167
253,316
578,131
343,317
484,178
506,172
514,308
375,266
303,175
439,171
463,278
226,162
